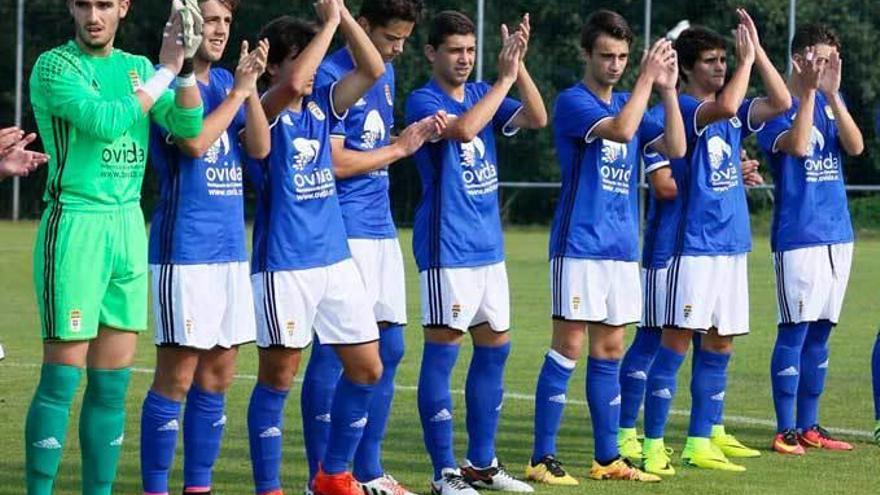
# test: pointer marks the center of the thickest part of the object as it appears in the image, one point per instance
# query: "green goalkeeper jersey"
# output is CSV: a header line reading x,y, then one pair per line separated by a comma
x,y
93,127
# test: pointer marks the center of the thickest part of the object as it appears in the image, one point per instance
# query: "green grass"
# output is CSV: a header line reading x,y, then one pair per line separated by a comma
x,y
847,402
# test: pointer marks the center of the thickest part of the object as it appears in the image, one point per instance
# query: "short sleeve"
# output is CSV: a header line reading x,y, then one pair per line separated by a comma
x,y
744,114
503,119
768,137
323,97
654,161
650,130
420,104
576,116
689,108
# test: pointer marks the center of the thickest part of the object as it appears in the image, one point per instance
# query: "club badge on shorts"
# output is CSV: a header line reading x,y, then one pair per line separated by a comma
x,y
75,321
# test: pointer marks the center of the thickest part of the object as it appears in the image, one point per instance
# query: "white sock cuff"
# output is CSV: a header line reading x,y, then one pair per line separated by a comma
x,y
561,360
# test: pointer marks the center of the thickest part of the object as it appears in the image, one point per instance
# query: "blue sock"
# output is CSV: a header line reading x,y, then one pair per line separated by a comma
x,y
435,403
203,422
265,423
484,394
348,418
319,383
550,402
814,369
159,427
603,398
368,457
661,388
875,373
708,384
634,373
785,371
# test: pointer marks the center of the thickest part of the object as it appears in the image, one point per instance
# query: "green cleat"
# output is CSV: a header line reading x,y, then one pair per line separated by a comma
x,y
629,446
702,453
729,445
657,460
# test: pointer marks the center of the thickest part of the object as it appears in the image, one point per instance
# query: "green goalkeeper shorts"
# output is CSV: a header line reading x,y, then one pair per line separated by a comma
x,y
90,269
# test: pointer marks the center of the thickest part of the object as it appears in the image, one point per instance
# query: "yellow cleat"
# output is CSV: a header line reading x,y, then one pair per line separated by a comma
x,y
657,460
628,444
549,471
702,453
620,469
729,445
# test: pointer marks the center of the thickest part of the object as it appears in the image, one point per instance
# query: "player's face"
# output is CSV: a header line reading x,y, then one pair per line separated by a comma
x,y
283,71
218,19
453,61
710,70
390,38
96,21
822,51
607,60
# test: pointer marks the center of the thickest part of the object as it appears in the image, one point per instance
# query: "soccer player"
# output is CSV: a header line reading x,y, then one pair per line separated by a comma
x,y
811,235
459,247
200,276
15,159
303,276
600,137
706,228
362,152
90,259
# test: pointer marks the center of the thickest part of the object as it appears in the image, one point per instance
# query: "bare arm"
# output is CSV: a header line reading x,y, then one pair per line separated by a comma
x,y
807,74
850,136
533,114
673,144
731,97
663,185
778,98
369,66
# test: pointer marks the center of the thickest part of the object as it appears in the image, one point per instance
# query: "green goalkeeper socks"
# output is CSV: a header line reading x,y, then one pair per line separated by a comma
x,y
46,426
101,428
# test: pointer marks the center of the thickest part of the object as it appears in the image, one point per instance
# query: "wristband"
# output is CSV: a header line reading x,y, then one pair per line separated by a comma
x,y
185,81
158,84
187,68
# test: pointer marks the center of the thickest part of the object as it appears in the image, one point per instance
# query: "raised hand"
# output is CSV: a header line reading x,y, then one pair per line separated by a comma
x,y
525,31
9,137
746,20
416,134
833,71
192,23
808,71
656,60
329,12
745,47
251,66
668,77
511,54
172,53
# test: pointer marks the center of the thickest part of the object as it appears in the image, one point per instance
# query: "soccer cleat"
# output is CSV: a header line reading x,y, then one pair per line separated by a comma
x,y
657,460
384,485
628,445
2,354
451,483
818,438
702,453
620,469
494,477
729,445
787,443
550,471
335,484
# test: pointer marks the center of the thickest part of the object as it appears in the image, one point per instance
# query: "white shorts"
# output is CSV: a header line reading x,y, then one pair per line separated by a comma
x,y
653,297
329,300
380,263
203,306
596,291
704,292
462,298
811,282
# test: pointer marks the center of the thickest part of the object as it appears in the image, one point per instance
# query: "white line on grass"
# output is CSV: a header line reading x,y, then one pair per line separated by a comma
x,y
744,420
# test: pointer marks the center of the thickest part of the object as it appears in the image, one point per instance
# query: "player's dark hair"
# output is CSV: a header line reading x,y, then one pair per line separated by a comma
x,y
382,12
692,42
232,5
449,23
287,36
813,34
605,22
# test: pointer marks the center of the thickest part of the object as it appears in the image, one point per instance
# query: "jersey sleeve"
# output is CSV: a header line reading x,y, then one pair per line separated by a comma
x,y
654,161
184,123
768,137
323,97
744,114
577,116
503,119
326,77
68,94
420,104
650,130
689,108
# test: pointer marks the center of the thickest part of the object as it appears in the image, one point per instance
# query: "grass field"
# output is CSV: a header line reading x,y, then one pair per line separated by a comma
x,y
846,405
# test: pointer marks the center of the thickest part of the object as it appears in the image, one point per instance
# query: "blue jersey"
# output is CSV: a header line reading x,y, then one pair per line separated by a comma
x,y
651,256
298,224
366,206
810,206
457,222
597,216
200,215
710,215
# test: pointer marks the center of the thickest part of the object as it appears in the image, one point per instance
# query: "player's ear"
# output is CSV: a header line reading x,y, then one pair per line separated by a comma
x,y
124,5
364,24
430,53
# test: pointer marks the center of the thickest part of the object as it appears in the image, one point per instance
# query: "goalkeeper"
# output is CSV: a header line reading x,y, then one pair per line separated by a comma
x,y
93,105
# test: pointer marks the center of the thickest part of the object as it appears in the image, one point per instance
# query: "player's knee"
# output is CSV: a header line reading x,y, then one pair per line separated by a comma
x,y
391,351
569,349
718,345
173,384
366,373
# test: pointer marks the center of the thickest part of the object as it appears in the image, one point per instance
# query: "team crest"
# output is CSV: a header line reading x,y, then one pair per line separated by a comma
x,y
456,310
75,321
189,326
316,110
135,80
801,307
575,303
829,112
388,96
735,122
290,326
688,309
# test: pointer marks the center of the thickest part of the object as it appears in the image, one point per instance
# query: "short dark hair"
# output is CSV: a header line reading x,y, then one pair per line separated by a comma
x,y
232,5
606,22
813,34
449,23
692,42
381,12
287,35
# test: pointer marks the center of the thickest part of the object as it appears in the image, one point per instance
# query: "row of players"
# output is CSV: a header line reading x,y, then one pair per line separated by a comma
x,y
326,260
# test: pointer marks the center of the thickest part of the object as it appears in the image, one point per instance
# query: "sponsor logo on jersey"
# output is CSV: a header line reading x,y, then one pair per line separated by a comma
x,y
75,321
316,110
374,130
724,173
480,176
125,151
614,167
819,166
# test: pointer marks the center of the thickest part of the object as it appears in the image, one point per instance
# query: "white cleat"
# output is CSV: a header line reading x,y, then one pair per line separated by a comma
x,y
451,483
494,477
2,354
384,485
